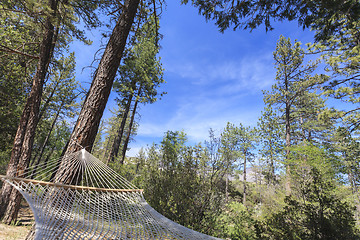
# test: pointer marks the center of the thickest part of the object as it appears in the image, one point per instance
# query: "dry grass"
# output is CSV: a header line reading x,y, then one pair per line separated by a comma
x,y
24,224
10,232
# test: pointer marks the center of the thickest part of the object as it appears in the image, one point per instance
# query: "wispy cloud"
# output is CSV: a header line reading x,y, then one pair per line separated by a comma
x,y
196,127
197,115
248,73
211,95
211,79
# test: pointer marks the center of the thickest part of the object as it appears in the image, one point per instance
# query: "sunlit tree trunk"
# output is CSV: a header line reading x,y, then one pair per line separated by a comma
x,y
88,122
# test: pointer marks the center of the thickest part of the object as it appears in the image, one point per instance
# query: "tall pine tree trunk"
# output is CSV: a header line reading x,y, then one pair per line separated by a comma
x,y
106,149
24,138
272,166
48,100
287,153
287,137
47,138
244,180
118,137
227,187
129,129
88,122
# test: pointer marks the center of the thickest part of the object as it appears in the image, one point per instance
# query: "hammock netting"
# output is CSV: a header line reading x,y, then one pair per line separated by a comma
x,y
100,205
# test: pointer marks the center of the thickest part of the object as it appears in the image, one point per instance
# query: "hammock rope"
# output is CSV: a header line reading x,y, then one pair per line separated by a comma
x,y
101,205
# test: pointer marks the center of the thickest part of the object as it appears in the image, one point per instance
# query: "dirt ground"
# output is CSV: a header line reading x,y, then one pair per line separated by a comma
x,y
20,229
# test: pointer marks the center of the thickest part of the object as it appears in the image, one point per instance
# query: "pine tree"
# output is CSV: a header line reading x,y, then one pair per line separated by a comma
x,y
139,77
293,80
322,16
87,124
59,103
341,55
48,19
242,141
271,134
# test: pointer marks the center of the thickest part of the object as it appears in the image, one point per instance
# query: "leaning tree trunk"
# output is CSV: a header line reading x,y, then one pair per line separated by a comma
x,y
47,139
48,100
130,127
88,122
24,138
118,137
46,103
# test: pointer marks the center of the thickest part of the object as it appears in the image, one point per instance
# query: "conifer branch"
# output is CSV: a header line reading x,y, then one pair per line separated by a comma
x,y
10,50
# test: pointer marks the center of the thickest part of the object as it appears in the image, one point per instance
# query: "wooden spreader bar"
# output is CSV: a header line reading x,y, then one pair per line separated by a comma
x,y
74,187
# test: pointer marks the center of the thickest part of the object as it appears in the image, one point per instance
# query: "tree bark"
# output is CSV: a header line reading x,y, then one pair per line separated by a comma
x,y
117,141
129,132
244,180
227,188
88,122
106,149
24,138
48,100
47,138
272,166
287,139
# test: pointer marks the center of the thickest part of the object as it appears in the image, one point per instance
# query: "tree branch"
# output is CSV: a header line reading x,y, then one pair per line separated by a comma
x,y
9,50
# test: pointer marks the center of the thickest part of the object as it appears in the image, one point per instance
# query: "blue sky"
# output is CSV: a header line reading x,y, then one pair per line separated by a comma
x,y
211,78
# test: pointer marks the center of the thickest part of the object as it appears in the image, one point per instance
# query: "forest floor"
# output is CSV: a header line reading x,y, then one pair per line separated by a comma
x,y
22,226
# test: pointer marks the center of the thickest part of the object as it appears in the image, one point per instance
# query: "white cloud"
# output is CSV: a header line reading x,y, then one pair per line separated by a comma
x,y
247,73
197,115
208,94
211,96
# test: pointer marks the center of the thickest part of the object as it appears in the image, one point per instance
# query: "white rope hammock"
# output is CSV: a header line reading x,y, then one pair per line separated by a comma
x,y
100,205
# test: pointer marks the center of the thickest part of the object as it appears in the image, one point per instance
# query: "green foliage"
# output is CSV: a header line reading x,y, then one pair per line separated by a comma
x,y
346,147
183,183
128,170
316,157
15,70
323,16
22,28
57,108
141,72
341,55
236,222
313,212
238,142
187,184
272,140
4,159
